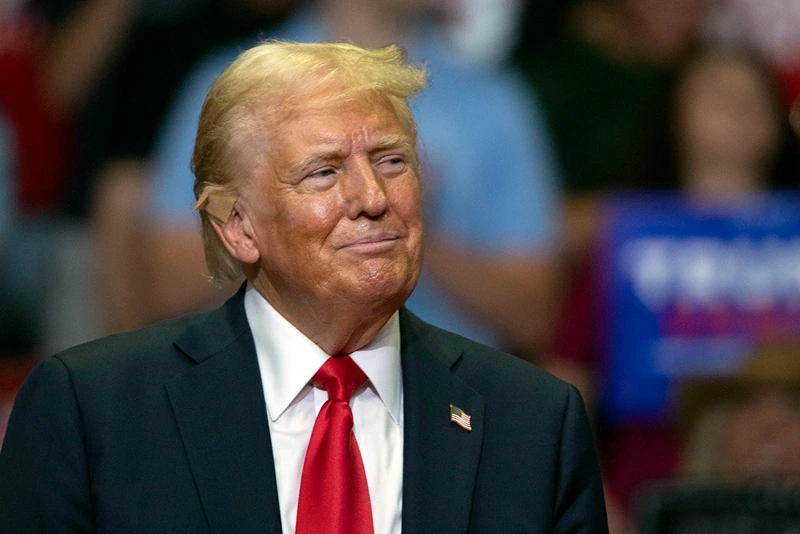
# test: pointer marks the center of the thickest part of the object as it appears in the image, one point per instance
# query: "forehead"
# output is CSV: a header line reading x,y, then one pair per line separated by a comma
x,y
732,79
722,70
329,120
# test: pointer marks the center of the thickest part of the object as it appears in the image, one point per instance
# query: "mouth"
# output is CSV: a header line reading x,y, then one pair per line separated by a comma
x,y
372,243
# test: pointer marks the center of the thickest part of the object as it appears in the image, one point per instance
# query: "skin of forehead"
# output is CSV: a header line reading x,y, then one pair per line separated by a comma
x,y
340,146
268,125
332,143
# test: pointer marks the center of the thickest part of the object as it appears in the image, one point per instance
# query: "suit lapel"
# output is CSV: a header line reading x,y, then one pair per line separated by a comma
x,y
220,409
440,459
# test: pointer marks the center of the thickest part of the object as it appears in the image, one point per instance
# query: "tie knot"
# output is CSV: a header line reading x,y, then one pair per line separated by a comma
x,y
340,376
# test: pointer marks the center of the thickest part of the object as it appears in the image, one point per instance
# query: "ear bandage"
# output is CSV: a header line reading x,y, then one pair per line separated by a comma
x,y
216,203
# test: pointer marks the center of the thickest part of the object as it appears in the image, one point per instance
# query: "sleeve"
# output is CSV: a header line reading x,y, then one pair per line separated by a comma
x,y
580,505
44,471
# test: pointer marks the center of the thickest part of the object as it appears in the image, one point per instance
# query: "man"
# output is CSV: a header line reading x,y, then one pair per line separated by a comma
x,y
240,420
491,199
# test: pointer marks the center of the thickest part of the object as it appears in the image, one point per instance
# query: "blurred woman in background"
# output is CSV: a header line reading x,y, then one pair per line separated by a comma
x,y
746,427
725,140
730,131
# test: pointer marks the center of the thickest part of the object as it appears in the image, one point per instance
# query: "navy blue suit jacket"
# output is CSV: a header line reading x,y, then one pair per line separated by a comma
x,y
165,430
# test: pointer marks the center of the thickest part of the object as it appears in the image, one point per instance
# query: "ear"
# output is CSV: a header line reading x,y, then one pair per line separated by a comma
x,y
237,235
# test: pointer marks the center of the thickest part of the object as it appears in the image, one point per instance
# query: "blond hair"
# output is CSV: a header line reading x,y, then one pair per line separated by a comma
x,y
265,84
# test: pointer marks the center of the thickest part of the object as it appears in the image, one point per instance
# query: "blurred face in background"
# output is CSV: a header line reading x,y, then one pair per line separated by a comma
x,y
762,436
667,27
726,116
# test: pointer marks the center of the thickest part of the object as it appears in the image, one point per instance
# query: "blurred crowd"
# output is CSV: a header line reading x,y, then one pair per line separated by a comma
x,y
538,112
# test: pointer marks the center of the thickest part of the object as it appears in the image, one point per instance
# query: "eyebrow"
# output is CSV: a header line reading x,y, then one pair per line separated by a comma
x,y
384,142
388,141
314,158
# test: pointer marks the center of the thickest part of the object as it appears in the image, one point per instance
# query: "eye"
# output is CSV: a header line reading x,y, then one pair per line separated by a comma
x,y
319,180
392,164
322,173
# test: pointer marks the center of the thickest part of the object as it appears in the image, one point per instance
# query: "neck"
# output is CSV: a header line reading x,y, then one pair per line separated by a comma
x,y
366,23
339,327
721,180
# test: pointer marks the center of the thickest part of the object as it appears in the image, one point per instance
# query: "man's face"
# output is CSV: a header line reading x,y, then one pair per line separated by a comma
x,y
335,208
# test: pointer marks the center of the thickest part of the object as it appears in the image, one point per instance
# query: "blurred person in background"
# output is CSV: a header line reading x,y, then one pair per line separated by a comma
x,y
483,30
603,81
7,166
540,23
34,157
114,65
118,64
8,208
87,84
726,138
83,84
490,195
727,141
746,427
30,159
770,28
740,467
731,134
604,84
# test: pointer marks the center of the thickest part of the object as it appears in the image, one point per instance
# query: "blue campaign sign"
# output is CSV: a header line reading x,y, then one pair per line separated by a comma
x,y
689,290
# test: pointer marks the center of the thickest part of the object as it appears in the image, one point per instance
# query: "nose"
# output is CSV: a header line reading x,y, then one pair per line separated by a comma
x,y
364,190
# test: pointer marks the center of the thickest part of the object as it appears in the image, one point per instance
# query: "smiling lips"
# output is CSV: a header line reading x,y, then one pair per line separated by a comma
x,y
373,243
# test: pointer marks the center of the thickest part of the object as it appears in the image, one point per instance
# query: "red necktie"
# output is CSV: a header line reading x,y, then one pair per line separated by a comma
x,y
334,498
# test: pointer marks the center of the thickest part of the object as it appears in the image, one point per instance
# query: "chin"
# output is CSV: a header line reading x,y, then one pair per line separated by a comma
x,y
384,286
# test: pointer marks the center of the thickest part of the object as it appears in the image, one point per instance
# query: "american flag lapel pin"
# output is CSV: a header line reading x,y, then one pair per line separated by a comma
x,y
460,417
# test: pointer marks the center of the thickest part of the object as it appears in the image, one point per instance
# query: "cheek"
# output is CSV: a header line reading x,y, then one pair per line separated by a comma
x,y
313,217
405,198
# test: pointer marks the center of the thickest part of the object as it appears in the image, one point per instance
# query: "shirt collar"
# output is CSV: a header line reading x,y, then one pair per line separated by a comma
x,y
288,360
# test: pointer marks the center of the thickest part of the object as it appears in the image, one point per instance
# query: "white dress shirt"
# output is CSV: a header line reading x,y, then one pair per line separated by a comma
x,y
288,360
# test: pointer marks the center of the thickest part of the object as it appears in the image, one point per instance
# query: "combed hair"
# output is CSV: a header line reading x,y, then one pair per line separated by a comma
x,y
267,83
